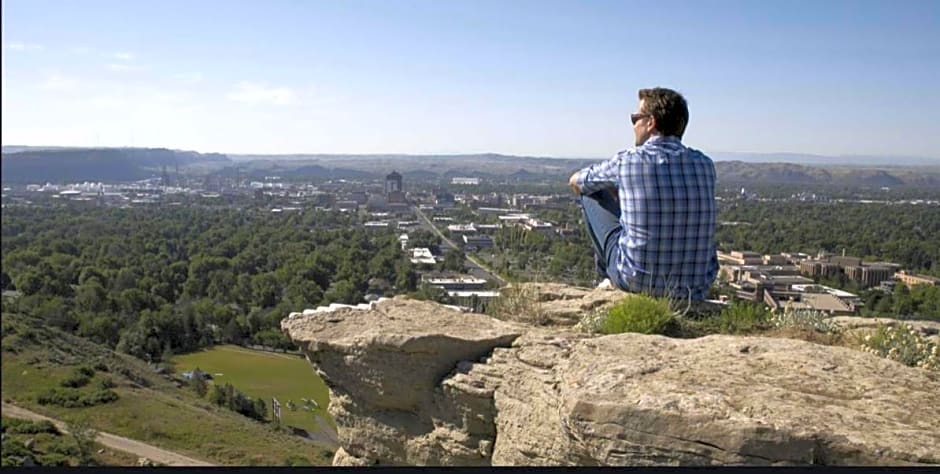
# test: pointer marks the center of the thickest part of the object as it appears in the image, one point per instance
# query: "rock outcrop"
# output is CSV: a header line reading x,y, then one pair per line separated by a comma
x,y
414,383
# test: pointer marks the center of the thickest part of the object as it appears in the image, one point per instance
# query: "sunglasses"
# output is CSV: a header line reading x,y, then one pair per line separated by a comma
x,y
634,118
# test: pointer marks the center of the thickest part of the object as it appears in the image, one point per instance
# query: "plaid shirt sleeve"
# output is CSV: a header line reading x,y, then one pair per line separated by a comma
x,y
603,175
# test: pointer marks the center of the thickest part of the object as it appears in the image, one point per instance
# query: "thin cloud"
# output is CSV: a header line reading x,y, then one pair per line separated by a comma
x,y
124,56
18,46
253,93
125,67
58,82
80,50
191,77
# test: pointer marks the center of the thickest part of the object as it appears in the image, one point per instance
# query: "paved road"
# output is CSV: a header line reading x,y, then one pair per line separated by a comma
x,y
477,269
153,453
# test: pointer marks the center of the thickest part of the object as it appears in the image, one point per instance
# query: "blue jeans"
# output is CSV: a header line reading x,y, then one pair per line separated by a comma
x,y
602,219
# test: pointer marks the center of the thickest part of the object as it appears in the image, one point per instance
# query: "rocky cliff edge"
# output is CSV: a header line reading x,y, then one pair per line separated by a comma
x,y
415,383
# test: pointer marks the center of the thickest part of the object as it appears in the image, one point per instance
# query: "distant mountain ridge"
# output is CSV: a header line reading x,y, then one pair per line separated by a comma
x,y
39,164
822,160
790,173
94,164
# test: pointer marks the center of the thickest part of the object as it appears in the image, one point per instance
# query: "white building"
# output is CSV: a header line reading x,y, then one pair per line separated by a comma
x,y
462,228
422,256
454,284
480,241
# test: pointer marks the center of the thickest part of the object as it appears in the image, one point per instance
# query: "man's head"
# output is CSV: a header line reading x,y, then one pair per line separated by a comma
x,y
660,112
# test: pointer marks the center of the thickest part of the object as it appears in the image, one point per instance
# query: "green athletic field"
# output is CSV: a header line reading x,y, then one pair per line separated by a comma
x,y
266,375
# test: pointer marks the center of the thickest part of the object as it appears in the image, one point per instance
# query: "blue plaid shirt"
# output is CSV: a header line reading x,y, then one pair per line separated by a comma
x,y
667,212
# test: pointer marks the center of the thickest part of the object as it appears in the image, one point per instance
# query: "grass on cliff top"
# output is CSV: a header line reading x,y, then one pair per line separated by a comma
x,y
150,408
266,375
650,315
639,314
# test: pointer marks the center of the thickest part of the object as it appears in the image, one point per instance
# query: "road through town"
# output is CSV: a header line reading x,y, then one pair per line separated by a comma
x,y
476,268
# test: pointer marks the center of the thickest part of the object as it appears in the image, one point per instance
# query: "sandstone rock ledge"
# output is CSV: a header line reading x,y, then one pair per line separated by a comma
x,y
414,383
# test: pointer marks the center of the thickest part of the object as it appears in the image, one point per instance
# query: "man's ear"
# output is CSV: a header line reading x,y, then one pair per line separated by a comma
x,y
652,125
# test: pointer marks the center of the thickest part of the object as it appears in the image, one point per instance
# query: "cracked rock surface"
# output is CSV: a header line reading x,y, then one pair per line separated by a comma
x,y
415,383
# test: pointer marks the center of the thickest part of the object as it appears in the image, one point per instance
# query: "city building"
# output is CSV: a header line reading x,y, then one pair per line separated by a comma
x,y
465,181
393,183
822,302
538,226
444,201
479,241
741,258
795,257
377,202
517,219
868,276
463,282
496,211
396,197
775,259
488,228
816,268
843,261
422,256
462,228
911,279
376,225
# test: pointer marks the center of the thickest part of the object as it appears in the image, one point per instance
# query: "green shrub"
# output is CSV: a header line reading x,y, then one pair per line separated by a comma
x,y
79,377
740,318
75,380
903,344
68,398
99,397
86,371
106,383
639,313
53,459
11,447
63,446
17,426
805,319
60,397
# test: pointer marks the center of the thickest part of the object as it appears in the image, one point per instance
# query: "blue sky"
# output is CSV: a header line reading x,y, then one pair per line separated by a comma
x,y
547,78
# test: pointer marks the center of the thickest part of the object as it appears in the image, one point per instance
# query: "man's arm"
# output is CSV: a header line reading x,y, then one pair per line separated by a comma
x,y
603,175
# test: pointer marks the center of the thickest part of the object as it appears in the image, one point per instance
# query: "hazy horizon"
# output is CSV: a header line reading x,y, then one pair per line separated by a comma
x,y
754,157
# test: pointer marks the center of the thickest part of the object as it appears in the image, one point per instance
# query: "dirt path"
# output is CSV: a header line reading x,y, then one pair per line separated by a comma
x,y
153,453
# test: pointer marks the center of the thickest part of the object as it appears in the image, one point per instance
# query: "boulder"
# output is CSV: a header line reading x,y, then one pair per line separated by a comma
x,y
385,368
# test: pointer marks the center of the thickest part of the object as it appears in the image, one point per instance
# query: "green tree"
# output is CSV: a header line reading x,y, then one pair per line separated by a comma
x,y
199,385
217,396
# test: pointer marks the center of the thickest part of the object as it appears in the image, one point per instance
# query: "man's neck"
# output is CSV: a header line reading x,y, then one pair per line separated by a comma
x,y
660,137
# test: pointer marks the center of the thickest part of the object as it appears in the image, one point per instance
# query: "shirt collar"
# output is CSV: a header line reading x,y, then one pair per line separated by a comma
x,y
662,139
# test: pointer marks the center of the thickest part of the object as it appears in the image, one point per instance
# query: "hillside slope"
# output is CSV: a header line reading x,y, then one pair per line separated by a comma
x,y
150,407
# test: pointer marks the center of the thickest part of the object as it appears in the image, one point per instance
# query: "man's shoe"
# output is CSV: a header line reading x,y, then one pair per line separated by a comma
x,y
605,285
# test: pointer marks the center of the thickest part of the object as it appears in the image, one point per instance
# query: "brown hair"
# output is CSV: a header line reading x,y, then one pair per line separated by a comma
x,y
669,109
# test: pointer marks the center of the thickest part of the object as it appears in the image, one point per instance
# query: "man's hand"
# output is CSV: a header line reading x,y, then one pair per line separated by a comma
x,y
573,182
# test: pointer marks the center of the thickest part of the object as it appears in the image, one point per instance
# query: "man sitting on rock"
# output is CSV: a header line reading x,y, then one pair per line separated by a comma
x,y
650,210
